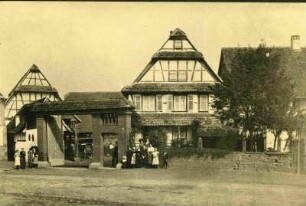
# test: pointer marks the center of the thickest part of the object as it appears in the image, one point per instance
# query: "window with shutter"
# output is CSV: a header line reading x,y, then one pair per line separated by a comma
x,y
190,103
137,102
170,102
159,103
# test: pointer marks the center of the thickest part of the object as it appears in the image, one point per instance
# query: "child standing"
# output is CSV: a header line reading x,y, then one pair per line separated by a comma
x,y
17,160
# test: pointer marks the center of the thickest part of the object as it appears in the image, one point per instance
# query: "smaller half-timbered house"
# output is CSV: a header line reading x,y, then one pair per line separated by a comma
x,y
31,87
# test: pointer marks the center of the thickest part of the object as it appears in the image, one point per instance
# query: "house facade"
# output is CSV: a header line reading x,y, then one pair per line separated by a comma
x,y
108,119
293,61
173,90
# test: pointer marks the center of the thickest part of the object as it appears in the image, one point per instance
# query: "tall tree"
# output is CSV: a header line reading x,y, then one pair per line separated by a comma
x,y
255,95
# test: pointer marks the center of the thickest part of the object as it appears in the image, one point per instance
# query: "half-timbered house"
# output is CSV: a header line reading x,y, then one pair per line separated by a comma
x,y
174,89
31,87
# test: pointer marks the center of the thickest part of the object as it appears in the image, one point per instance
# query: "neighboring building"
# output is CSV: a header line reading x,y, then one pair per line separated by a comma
x,y
104,117
31,87
3,139
174,89
82,135
293,61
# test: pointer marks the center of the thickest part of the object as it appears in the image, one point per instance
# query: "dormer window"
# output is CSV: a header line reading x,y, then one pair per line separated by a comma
x,y
178,44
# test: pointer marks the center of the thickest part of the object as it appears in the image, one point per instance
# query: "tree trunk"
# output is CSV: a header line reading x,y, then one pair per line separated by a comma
x,y
279,146
275,140
288,140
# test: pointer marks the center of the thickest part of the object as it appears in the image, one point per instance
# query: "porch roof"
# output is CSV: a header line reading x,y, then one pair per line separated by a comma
x,y
173,119
168,87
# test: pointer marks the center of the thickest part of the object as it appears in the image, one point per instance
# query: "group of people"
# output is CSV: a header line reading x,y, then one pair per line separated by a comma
x,y
20,158
142,155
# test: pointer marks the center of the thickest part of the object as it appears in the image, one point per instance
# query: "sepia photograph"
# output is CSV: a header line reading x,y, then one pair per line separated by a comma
x,y
152,103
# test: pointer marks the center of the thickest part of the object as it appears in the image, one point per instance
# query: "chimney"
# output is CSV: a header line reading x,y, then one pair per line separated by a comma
x,y
295,42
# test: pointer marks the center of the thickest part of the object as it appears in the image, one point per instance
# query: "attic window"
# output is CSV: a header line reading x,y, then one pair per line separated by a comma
x,y
178,44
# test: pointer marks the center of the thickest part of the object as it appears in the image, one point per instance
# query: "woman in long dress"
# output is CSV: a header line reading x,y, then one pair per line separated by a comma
x,y
30,158
155,161
17,160
150,156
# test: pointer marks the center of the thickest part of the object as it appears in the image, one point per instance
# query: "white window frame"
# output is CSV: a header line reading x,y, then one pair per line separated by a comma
x,y
148,103
190,102
177,44
136,103
179,132
204,103
179,103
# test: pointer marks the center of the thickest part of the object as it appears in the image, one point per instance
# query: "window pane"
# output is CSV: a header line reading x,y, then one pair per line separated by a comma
x,y
182,76
148,103
178,44
179,103
203,103
173,75
137,102
172,71
179,133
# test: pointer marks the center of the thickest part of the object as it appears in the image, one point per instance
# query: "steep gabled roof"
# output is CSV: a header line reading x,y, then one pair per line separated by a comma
x,y
293,62
170,53
80,103
33,81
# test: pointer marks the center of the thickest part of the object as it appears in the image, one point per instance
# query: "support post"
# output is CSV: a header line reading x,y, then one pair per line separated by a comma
x,y
97,159
76,144
42,142
124,128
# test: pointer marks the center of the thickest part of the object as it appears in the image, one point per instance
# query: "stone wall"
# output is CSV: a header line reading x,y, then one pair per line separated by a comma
x,y
237,161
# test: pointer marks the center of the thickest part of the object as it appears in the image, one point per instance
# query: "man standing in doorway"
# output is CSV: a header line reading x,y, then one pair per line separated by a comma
x,y
115,155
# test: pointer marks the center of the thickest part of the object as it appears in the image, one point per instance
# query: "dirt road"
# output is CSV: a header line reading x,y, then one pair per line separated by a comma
x,y
58,186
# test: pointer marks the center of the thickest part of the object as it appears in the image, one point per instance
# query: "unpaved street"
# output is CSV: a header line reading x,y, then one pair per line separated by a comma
x,y
175,186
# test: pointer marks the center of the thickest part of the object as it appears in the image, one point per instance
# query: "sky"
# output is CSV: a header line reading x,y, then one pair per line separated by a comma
x,y
99,46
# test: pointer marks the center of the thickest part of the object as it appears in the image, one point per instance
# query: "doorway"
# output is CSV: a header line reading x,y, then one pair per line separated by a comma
x,y
110,149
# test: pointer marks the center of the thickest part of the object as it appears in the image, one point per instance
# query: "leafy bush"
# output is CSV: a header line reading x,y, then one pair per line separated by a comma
x,y
157,137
